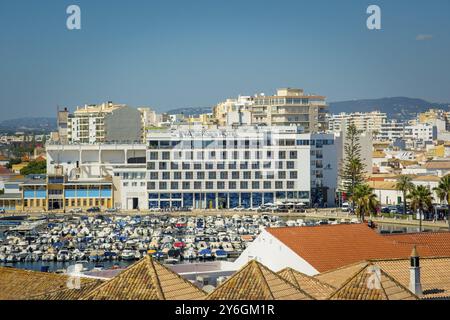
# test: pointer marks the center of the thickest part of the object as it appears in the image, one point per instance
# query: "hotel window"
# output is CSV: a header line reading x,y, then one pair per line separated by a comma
x,y
177,155
281,174
224,175
220,166
244,185
200,155
270,175
290,185
151,185
163,185
290,164
189,175
247,155
125,184
235,155
153,155
134,184
235,175
174,185
232,166
163,166
269,154
247,175
209,185
189,155
232,185
186,185
255,184
153,175
166,155
212,175
255,165
267,185
197,185
166,175
174,166
279,165
200,175
224,155
197,166
209,166
258,175
267,165
221,185
186,166
282,154
258,154
278,184
177,175
293,175
293,155
212,155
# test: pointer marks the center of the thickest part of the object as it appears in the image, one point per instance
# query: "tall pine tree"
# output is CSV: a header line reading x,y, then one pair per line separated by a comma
x,y
352,168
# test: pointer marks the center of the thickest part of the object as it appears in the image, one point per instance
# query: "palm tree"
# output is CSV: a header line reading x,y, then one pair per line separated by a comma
x,y
443,193
421,200
365,200
404,184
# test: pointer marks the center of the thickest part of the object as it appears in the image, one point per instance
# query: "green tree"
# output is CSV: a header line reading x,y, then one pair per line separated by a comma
x,y
34,167
421,201
443,193
2,191
365,200
13,162
352,168
404,184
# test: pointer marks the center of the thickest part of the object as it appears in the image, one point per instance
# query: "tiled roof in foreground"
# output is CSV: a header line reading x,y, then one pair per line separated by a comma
x,y
435,274
314,287
256,282
146,280
69,294
372,283
18,284
329,247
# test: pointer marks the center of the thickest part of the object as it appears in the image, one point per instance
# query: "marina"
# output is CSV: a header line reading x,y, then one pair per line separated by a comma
x,y
50,243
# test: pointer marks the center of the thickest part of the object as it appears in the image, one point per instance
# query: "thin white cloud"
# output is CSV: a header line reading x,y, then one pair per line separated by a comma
x,y
424,37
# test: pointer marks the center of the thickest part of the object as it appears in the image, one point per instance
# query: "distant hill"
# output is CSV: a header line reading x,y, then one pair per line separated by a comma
x,y
400,108
43,125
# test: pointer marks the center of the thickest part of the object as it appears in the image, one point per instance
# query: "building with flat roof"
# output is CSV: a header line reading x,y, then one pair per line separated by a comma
x,y
243,167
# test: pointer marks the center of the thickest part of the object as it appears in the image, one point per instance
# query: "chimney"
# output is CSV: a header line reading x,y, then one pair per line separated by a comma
x,y
415,284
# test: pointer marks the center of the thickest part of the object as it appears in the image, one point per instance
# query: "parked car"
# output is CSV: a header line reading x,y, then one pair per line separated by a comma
x,y
93,209
75,210
345,207
112,210
2,211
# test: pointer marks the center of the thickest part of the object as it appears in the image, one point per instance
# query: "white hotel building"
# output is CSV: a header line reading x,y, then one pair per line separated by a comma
x,y
190,166
243,167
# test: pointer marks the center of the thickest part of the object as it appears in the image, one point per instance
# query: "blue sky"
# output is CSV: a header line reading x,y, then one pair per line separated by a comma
x,y
169,54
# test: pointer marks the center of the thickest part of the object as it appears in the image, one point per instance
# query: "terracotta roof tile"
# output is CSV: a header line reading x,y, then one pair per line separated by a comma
x,y
69,294
372,283
332,246
311,285
18,284
256,282
428,243
146,280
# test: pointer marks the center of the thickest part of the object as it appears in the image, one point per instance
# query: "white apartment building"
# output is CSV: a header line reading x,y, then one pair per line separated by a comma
x,y
391,131
420,134
364,121
234,111
244,167
106,122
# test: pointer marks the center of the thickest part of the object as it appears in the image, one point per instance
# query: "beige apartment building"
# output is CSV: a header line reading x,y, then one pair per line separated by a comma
x,y
364,121
287,107
102,123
